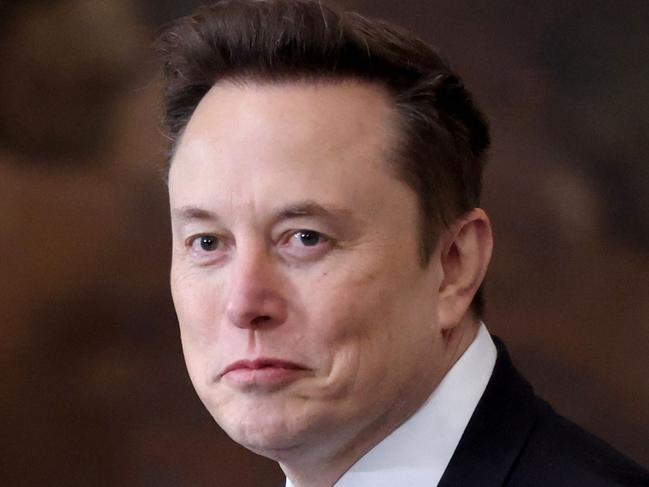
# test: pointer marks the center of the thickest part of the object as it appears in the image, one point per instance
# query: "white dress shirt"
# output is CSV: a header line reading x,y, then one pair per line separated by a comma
x,y
417,452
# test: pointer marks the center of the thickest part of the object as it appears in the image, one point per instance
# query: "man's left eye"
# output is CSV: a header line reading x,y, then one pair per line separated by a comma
x,y
307,238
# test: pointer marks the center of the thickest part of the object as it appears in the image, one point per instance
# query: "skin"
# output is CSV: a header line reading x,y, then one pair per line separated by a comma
x,y
374,331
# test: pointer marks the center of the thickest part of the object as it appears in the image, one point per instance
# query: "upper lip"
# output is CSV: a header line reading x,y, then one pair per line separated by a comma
x,y
261,363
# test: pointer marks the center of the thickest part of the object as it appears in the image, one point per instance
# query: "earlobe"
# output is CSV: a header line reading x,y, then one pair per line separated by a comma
x,y
465,255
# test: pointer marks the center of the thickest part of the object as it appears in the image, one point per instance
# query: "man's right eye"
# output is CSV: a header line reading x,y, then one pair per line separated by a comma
x,y
204,243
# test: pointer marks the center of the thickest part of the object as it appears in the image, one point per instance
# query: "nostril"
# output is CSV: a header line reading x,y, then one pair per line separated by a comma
x,y
260,320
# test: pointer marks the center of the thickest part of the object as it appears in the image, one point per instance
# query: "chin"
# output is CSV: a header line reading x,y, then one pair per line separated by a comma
x,y
262,427
265,436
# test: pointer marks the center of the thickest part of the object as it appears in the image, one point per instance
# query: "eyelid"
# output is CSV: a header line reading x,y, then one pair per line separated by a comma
x,y
192,238
223,238
202,256
289,234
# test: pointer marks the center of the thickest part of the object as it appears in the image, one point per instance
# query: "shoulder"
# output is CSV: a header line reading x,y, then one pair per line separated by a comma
x,y
560,453
515,439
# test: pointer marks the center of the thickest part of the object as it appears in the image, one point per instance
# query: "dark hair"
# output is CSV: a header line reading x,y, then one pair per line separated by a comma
x,y
444,135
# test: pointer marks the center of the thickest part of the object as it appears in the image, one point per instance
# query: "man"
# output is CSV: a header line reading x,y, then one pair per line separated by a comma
x,y
328,250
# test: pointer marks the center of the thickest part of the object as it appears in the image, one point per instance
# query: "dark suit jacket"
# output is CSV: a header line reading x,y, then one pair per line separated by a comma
x,y
515,439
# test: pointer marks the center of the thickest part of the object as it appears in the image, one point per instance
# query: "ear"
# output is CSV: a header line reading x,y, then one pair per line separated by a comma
x,y
465,254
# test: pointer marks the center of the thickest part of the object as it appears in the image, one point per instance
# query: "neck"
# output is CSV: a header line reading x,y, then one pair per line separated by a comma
x,y
458,339
324,465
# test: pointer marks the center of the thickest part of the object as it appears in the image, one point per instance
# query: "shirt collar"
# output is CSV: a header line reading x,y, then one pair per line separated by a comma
x,y
419,450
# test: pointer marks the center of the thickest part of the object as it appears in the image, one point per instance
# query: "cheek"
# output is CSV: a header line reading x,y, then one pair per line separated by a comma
x,y
373,324
360,303
198,308
352,323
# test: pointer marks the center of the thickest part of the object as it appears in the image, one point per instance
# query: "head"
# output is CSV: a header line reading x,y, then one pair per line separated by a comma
x,y
324,184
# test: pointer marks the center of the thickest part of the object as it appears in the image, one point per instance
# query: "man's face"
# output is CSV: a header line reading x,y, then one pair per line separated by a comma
x,y
305,315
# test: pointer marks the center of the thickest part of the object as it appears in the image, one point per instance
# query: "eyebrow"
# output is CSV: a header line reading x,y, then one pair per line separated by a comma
x,y
299,209
310,208
189,213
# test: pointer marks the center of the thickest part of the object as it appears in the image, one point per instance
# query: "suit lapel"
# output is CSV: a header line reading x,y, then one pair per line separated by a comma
x,y
497,431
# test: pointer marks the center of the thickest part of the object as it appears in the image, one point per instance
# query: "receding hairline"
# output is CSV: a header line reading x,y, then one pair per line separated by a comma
x,y
394,125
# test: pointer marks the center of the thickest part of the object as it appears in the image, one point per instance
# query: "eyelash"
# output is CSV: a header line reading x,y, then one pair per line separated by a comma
x,y
198,238
304,233
298,252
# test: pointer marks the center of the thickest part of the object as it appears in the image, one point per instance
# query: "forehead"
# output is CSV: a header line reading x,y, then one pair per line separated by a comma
x,y
335,112
319,139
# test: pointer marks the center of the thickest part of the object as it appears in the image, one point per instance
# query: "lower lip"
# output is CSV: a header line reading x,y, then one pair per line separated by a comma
x,y
262,377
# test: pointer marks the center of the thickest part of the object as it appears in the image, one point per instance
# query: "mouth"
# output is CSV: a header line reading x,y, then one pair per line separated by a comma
x,y
262,373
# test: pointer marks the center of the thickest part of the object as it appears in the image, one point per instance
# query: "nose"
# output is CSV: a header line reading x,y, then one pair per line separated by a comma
x,y
255,297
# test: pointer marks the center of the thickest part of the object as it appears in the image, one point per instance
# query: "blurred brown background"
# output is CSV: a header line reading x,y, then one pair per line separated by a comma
x,y
94,390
